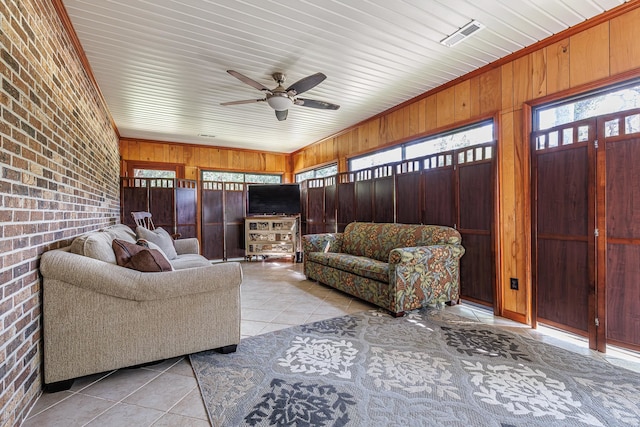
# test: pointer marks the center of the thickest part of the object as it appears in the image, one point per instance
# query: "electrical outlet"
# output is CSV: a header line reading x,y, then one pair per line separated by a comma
x,y
514,283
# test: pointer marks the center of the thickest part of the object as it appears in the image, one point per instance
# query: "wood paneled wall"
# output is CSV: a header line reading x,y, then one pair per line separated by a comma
x,y
593,54
196,157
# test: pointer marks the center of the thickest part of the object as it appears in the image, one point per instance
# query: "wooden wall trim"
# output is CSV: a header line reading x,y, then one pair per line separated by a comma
x,y
75,41
578,28
194,145
196,157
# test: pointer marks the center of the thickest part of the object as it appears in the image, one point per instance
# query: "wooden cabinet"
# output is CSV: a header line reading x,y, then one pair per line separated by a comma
x,y
271,236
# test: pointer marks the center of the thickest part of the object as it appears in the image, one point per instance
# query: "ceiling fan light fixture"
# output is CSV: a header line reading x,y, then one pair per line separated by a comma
x,y
279,102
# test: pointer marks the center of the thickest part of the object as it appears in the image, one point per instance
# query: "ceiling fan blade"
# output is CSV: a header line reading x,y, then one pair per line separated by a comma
x,y
246,101
248,81
306,83
282,115
312,103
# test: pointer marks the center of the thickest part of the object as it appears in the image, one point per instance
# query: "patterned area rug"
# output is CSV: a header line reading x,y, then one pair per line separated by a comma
x,y
429,368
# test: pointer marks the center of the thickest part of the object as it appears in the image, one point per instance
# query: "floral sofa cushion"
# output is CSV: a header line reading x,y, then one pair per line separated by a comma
x,y
378,240
362,266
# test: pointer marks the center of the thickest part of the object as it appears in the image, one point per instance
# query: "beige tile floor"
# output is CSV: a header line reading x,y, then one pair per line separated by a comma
x,y
275,295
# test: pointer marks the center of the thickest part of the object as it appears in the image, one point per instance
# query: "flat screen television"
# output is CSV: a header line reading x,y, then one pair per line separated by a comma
x,y
273,199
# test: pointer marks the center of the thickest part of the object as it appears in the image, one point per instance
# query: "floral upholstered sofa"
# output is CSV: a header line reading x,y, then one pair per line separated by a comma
x,y
399,267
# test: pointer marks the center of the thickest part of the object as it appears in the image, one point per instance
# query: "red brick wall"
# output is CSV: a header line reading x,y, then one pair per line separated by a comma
x,y
59,167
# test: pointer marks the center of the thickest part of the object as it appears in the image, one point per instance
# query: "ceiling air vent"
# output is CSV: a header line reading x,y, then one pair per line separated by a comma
x,y
464,32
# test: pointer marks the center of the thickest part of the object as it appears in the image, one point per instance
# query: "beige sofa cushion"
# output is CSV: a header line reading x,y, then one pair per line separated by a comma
x,y
122,232
189,261
161,238
96,245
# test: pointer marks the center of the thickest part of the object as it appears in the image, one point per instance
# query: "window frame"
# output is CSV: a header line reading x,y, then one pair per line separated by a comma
x,y
427,139
315,172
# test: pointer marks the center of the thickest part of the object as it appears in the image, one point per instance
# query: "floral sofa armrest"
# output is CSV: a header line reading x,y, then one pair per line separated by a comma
x,y
425,275
318,242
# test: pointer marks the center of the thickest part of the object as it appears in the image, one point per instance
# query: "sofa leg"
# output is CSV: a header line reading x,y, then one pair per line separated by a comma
x,y
58,386
401,314
227,349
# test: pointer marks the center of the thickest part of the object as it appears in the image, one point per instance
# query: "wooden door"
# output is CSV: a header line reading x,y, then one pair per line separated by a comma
x,y
439,184
235,196
303,207
345,200
162,203
186,208
330,211
619,244
564,223
383,195
134,197
475,211
364,196
409,193
314,209
212,220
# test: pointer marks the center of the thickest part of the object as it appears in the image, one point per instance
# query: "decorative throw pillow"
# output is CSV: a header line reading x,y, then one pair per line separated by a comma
x,y
138,257
161,238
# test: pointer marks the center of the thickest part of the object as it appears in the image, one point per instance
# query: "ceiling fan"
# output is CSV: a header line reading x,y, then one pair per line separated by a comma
x,y
280,99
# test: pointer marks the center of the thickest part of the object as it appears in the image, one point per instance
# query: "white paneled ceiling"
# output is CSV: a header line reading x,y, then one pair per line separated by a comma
x,y
161,64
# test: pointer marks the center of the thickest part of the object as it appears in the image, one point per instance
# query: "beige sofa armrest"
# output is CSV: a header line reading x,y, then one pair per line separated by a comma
x,y
121,282
190,245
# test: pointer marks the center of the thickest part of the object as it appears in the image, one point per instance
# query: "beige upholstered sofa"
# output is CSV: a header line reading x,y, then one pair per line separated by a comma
x,y
99,316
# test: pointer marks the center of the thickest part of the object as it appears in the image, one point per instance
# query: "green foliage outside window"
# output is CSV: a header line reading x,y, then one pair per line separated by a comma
x,y
152,173
221,176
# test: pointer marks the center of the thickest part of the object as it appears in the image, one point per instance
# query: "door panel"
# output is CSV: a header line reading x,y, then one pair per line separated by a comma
x,y
439,197
315,210
186,208
212,220
408,198
330,205
476,197
477,277
623,241
364,200
135,198
346,204
562,238
383,206
563,179
563,294
564,227
234,212
623,295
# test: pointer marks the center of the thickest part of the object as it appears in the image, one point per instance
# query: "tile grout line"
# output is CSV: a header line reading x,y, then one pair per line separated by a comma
x,y
121,401
71,394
